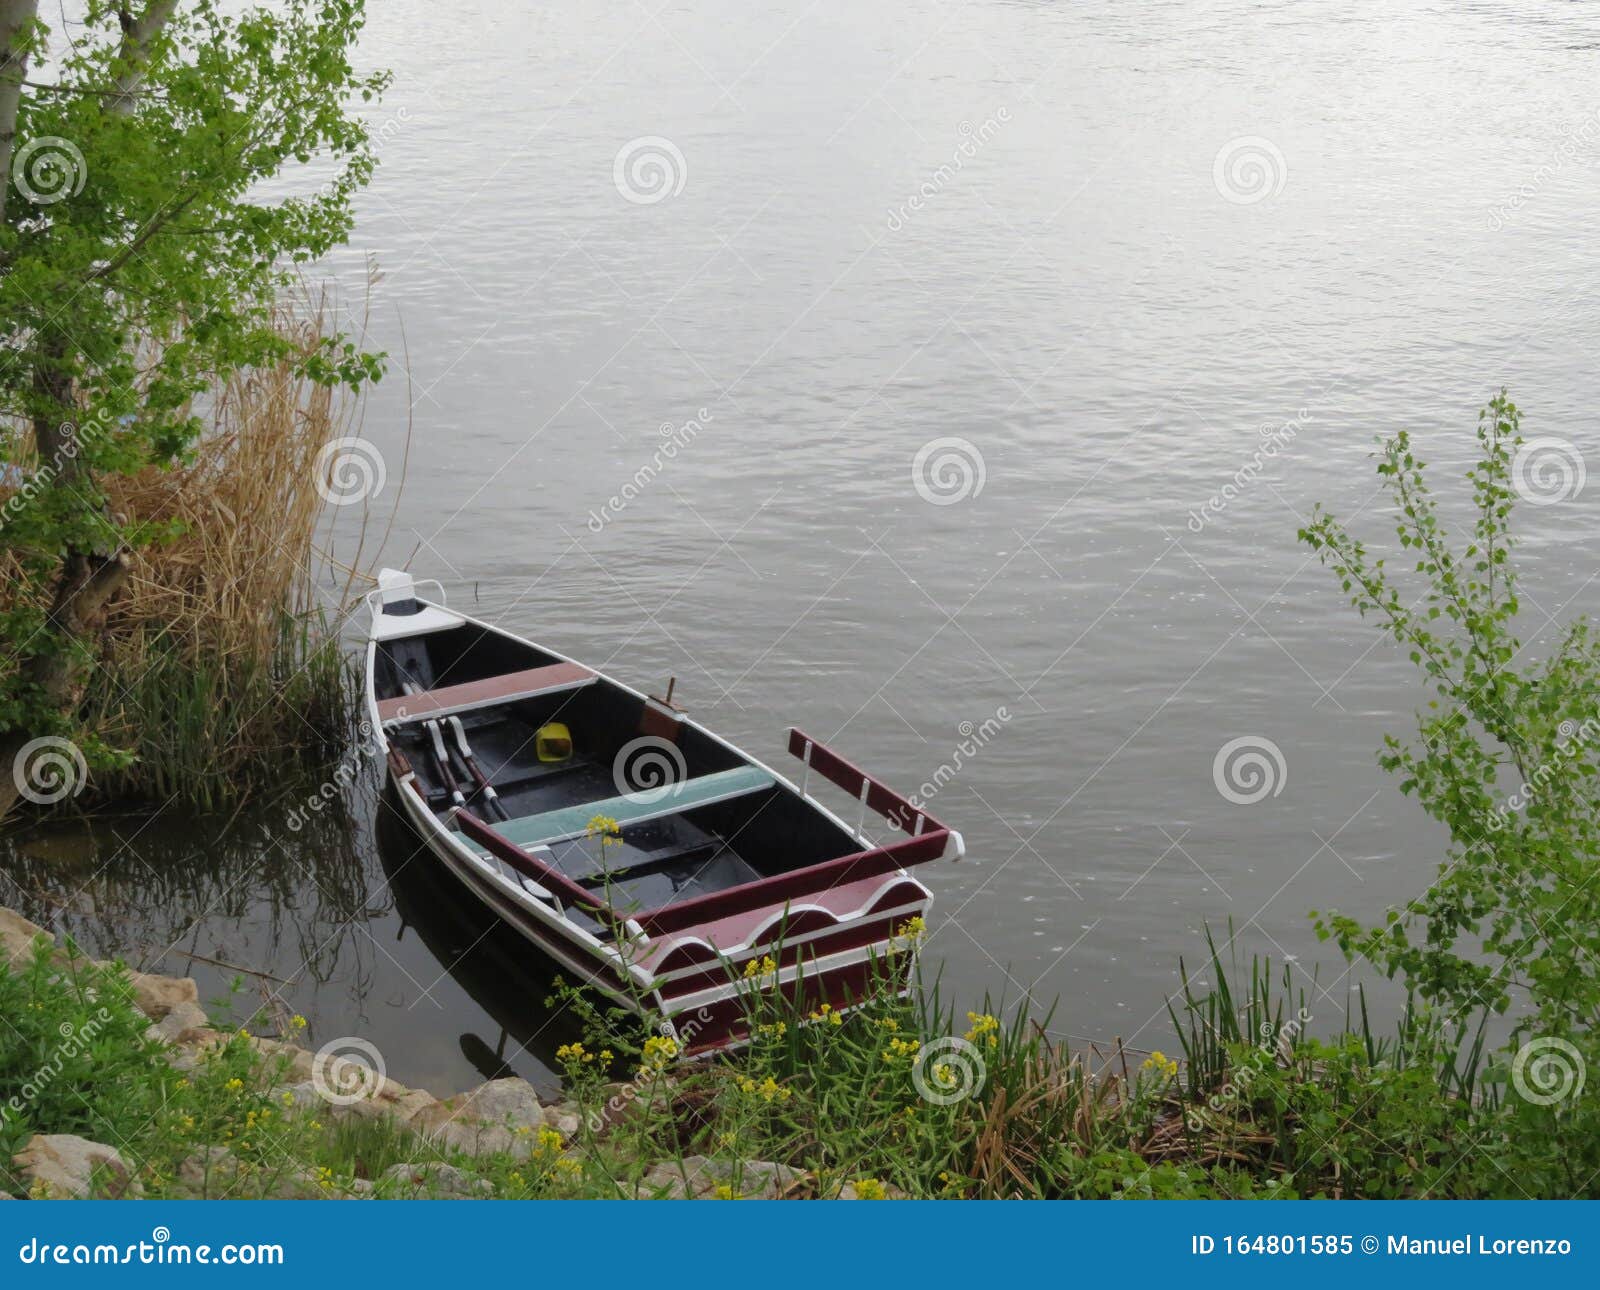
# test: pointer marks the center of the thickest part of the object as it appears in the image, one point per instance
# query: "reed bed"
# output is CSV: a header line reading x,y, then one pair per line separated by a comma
x,y
219,664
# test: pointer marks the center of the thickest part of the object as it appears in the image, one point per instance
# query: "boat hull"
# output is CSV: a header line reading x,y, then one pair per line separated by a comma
x,y
832,932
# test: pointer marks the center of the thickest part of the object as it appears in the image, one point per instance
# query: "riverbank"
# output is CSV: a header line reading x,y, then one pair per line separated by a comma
x,y
120,1084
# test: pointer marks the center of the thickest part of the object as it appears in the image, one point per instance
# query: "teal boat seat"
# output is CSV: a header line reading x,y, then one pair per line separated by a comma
x,y
573,821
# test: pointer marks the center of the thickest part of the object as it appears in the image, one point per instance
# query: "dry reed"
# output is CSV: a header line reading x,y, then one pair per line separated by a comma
x,y
220,662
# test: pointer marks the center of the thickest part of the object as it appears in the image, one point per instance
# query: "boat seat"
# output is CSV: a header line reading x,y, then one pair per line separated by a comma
x,y
573,821
448,700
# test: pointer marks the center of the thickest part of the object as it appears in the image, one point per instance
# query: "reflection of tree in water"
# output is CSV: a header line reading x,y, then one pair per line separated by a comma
x,y
249,889
347,919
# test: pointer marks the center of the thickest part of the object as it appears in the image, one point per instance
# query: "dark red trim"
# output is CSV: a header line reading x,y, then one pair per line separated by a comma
x,y
848,936
399,766
881,799
799,882
727,1020
553,881
505,688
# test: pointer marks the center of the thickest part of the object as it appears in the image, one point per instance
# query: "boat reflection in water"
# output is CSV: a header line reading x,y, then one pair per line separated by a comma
x,y
506,979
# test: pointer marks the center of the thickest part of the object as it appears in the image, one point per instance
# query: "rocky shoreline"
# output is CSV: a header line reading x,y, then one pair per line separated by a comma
x,y
502,1117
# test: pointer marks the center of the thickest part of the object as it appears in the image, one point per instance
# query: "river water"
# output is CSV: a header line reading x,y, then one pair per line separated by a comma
x,y
1104,259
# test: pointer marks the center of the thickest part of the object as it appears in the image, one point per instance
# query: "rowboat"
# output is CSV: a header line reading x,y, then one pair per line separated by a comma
x,y
640,852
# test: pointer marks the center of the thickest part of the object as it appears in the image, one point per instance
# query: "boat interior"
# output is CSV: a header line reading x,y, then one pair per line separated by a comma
x,y
536,747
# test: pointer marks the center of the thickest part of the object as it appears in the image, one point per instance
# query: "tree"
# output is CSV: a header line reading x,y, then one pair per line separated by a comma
x,y
141,252
1505,757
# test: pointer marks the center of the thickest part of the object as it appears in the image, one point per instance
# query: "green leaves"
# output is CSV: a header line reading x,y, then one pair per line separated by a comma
x,y
146,281
1504,757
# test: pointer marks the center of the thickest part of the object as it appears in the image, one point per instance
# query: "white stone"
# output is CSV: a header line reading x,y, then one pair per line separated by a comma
x,y
70,1166
156,996
182,1017
17,936
437,1180
502,1115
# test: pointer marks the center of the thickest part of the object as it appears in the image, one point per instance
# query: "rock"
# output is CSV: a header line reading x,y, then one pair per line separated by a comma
x,y
300,1096
698,1176
300,1065
17,936
156,996
300,1077
565,1118
662,1181
501,1115
392,1100
182,1017
69,1166
440,1181
186,1048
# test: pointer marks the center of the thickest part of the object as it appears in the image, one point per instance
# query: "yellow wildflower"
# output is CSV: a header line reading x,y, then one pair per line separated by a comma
x,y
985,1027
549,1141
870,1189
913,927
234,1085
573,1054
763,966
828,1014
1161,1064
723,1192
297,1021
768,1090
659,1050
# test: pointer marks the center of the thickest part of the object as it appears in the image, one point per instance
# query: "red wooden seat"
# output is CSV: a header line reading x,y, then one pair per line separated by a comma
x,y
491,690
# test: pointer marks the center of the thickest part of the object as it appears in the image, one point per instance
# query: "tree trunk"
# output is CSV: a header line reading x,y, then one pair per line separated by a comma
x,y
15,17
137,34
88,579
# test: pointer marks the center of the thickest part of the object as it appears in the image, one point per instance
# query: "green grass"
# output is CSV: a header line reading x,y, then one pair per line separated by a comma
x,y
205,727
1259,1108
